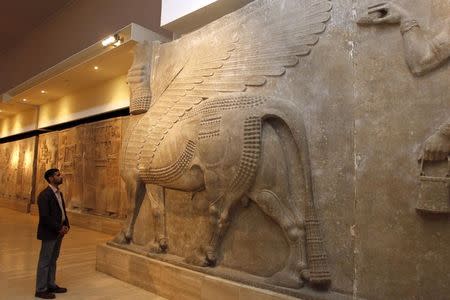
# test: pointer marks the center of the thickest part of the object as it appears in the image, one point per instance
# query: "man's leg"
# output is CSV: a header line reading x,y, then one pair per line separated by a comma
x,y
52,267
45,257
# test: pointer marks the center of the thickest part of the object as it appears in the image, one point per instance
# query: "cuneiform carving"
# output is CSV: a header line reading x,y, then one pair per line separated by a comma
x,y
201,105
422,53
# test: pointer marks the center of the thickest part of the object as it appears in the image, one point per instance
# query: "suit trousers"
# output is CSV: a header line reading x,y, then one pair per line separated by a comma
x,y
46,270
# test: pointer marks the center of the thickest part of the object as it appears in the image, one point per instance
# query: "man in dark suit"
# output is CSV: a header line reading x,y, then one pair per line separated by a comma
x,y
53,225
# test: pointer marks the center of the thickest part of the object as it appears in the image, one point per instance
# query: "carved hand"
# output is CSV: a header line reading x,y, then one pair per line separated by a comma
x,y
437,147
137,76
385,13
139,73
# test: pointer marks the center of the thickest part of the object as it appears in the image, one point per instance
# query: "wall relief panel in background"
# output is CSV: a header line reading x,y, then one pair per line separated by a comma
x,y
88,157
16,173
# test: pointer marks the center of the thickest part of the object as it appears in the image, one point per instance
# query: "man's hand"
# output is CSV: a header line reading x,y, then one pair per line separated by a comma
x,y
64,230
385,12
437,147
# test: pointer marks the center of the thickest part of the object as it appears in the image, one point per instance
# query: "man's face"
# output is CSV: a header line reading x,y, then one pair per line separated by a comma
x,y
56,179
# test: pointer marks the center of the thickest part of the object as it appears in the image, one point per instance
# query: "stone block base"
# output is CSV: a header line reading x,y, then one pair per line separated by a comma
x,y
34,210
96,223
21,206
175,282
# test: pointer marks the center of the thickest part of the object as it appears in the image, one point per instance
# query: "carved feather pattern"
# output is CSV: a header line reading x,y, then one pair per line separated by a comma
x,y
262,43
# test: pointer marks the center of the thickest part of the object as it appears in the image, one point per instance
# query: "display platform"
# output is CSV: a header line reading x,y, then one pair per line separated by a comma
x,y
173,279
21,206
89,221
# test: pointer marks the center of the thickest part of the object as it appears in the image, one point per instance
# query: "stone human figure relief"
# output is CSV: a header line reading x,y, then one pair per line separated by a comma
x,y
204,133
434,196
423,51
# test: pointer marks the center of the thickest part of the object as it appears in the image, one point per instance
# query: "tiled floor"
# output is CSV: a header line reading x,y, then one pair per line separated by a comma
x,y
19,252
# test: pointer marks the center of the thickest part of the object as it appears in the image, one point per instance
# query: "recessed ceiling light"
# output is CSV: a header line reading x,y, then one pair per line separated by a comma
x,y
43,92
95,68
24,100
109,40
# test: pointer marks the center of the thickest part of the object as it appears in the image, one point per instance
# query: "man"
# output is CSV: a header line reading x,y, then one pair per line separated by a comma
x,y
423,53
53,225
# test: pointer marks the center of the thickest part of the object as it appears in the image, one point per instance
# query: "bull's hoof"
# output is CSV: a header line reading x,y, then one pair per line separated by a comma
x,y
197,259
121,238
153,247
286,279
163,244
211,258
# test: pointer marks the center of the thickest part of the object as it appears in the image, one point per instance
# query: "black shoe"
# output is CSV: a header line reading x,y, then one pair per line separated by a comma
x,y
45,295
57,289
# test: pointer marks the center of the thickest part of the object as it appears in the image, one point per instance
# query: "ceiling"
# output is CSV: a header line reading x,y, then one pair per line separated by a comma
x,y
19,17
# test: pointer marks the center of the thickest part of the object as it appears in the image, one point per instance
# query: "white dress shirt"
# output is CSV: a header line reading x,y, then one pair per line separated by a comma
x,y
58,196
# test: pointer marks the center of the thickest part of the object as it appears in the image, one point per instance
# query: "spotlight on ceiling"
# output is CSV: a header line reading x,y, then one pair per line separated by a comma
x,y
115,40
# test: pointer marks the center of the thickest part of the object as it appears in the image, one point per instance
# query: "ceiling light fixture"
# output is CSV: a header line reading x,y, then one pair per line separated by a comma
x,y
43,92
115,40
95,68
24,100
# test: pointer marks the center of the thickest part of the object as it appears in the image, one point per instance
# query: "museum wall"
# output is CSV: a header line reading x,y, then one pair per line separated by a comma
x,y
23,121
106,96
16,173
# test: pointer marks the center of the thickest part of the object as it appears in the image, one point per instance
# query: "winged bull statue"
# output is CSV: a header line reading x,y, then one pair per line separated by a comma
x,y
199,125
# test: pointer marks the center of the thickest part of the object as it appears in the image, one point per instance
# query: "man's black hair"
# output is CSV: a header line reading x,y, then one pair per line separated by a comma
x,y
49,173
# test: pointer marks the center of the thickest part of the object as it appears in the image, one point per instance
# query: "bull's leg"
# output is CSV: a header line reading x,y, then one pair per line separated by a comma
x,y
220,219
135,194
159,243
293,228
211,197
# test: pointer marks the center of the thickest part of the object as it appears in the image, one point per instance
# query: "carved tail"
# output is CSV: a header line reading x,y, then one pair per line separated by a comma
x,y
319,273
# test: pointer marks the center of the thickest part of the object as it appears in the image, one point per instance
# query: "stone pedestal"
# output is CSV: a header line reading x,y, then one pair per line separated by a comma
x,y
88,221
21,206
93,222
175,282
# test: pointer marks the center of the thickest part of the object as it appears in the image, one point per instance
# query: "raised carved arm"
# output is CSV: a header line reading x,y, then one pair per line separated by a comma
x,y
422,53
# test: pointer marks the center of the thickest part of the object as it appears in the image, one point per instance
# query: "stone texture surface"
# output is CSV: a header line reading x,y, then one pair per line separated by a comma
x,y
366,118
399,254
16,173
173,282
88,157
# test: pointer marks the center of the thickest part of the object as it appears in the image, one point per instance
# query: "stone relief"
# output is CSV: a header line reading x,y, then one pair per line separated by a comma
x,y
434,196
16,174
209,132
424,52
88,156
47,157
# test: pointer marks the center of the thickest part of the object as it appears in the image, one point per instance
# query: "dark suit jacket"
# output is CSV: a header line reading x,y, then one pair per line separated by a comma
x,y
50,216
